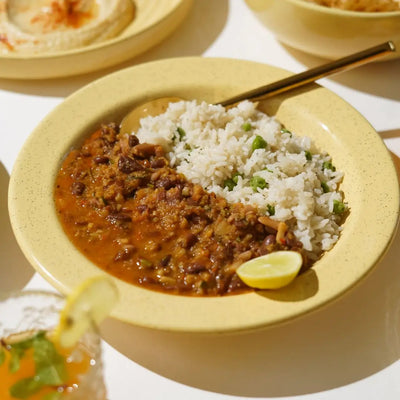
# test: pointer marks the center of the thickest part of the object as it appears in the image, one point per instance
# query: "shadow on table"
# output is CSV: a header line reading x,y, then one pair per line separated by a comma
x,y
200,29
378,78
15,271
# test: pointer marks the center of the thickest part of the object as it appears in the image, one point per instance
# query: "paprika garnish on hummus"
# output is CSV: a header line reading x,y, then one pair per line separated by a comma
x,y
42,26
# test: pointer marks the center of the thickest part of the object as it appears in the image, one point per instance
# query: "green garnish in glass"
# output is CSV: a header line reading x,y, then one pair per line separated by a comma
x,y
50,368
257,182
2,355
258,143
17,351
52,396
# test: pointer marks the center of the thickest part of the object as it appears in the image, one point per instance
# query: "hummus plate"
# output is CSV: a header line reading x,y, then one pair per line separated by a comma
x,y
370,186
43,26
100,37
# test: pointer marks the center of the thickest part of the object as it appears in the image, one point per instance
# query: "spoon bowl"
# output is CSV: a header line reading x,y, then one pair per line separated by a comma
x,y
131,121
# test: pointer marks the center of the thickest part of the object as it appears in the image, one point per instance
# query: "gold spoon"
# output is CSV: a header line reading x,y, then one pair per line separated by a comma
x,y
131,121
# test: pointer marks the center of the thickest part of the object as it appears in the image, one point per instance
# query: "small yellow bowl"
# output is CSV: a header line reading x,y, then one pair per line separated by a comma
x,y
327,32
370,186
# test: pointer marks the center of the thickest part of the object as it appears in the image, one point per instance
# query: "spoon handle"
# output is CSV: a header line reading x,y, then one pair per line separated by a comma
x,y
313,74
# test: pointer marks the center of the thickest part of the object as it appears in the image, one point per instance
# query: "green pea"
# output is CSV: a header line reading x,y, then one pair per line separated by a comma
x,y
247,126
338,207
235,177
258,143
328,165
258,182
230,184
271,209
325,187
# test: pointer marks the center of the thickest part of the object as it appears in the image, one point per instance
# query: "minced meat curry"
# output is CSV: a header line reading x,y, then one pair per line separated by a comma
x,y
140,220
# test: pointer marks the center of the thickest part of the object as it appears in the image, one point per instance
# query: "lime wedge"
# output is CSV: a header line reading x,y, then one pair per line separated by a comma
x,y
87,305
272,271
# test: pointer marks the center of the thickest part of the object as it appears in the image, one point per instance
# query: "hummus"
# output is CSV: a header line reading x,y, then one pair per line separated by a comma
x,y
42,26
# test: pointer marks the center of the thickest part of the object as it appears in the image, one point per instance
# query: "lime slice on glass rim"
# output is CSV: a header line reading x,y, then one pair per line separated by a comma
x,y
271,271
85,307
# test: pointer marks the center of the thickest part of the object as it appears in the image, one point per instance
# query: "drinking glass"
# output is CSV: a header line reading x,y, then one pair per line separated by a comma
x,y
32,311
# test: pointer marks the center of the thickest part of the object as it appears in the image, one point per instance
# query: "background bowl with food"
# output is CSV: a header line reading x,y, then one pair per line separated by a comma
x,y
331,29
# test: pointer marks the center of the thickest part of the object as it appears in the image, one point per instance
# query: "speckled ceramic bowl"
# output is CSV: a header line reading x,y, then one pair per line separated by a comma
x,y
370,186
327,32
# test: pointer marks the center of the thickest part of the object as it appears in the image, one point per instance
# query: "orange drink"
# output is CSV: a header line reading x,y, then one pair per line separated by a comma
x,y
33,365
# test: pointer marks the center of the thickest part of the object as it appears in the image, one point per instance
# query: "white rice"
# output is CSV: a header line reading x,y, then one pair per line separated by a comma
x,y
215,146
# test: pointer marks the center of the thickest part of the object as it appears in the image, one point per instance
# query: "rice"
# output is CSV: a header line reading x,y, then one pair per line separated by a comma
x,y
286,178
361,5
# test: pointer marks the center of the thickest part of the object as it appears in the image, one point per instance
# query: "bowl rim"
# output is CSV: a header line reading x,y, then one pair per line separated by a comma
x,y
38,231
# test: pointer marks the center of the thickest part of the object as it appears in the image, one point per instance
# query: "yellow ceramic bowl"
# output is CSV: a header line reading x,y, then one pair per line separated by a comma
x,y
327,32
370,186
154,21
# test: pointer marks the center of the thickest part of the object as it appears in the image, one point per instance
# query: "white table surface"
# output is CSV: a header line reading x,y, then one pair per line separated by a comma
x,y
348,350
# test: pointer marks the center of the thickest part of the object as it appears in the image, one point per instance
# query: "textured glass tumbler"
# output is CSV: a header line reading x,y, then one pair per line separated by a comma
x,y
30,311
